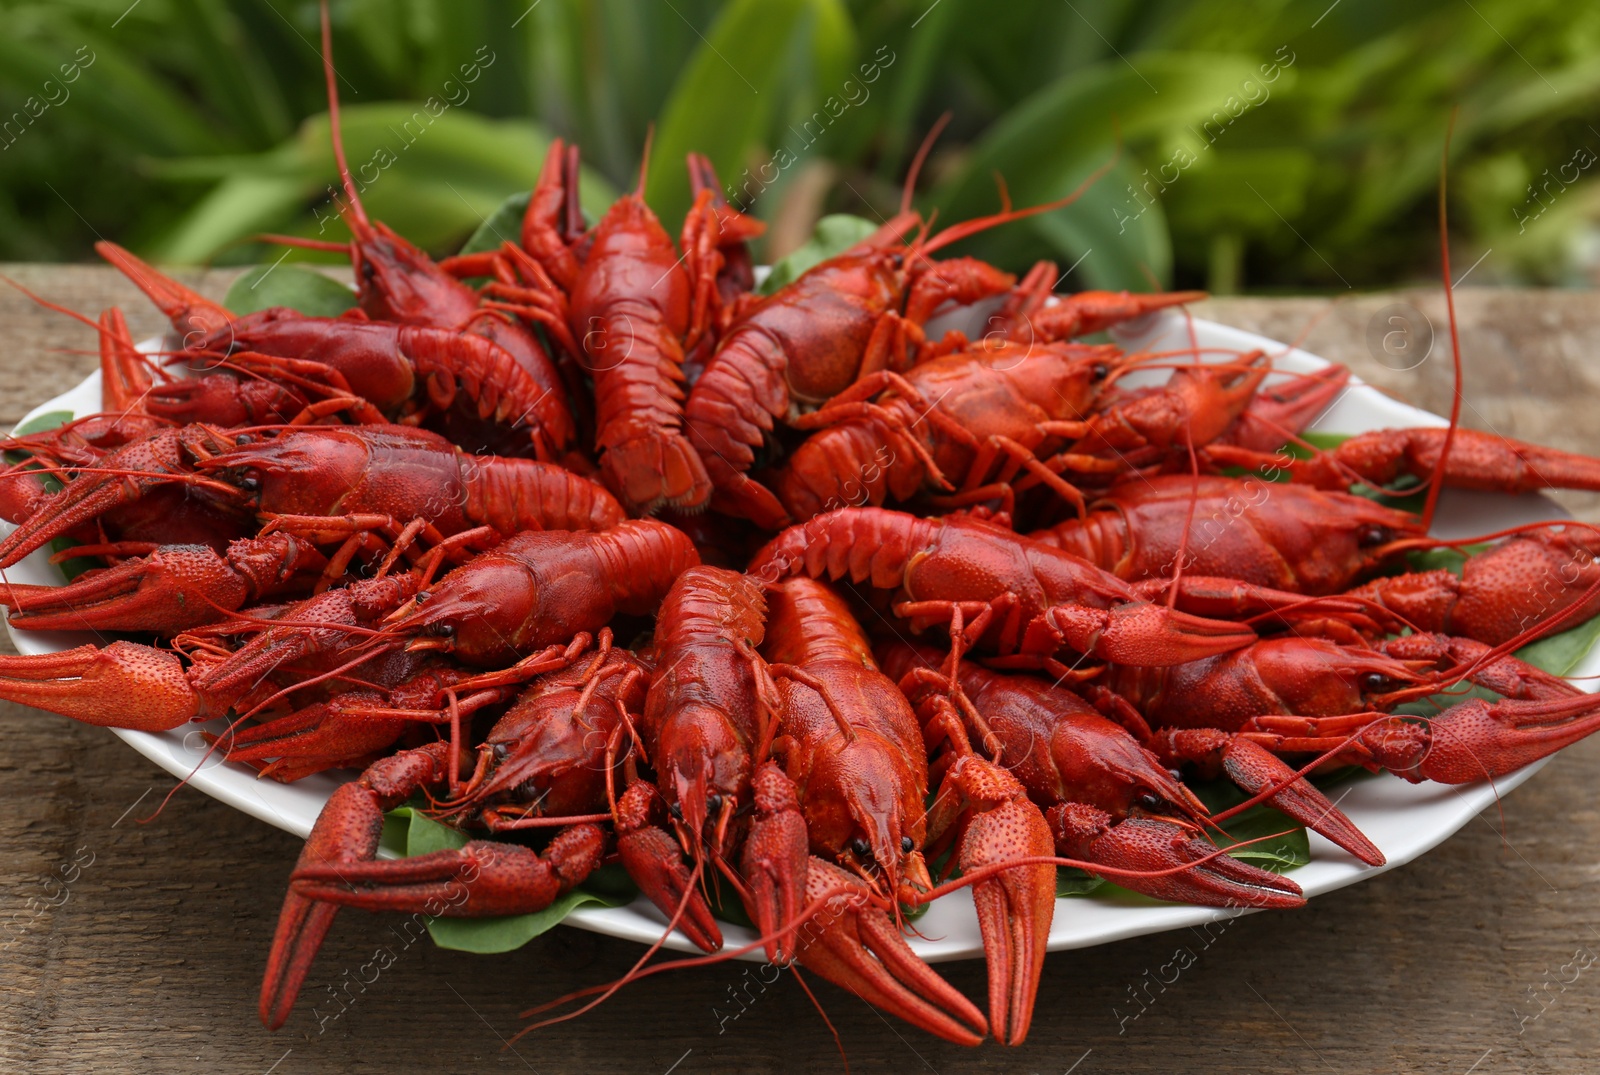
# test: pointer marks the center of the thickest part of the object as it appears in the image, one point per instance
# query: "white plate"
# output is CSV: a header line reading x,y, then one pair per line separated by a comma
x,y
1403,819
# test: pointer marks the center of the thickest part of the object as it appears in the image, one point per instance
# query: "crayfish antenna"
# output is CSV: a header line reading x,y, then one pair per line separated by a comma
x,y
1436,479
357,212
956,232
915,170
644,161
634,972
849,941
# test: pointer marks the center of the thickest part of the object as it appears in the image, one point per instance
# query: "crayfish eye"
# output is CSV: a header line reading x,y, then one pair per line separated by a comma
x,y
368,270
714,802
1375,682
906,845
422,597
444,630
1374,535
676,811
1150,801
1100,371
242,439
501,752
250,483
897,260
862,849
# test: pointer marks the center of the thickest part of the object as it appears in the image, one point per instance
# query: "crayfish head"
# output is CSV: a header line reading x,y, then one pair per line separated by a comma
x,y
297,473
1332,539
395,281
466,613
548,750
1098,761
864,808
1314,677
703,770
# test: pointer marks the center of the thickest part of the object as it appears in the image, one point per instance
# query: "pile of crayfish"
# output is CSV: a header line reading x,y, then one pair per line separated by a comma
x,y
584,547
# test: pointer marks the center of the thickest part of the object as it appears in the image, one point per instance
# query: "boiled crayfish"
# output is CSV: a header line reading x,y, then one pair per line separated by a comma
x,y
979,611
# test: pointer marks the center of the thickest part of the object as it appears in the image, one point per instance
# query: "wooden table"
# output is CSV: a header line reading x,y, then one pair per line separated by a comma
x,y
1451,965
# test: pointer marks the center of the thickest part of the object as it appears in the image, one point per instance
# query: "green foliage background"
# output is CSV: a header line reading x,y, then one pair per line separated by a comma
x,y
199,123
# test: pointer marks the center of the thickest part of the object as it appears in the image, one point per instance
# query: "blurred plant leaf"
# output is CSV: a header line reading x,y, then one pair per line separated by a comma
x,y
1060,135
504,225
432,178
132,147
754,62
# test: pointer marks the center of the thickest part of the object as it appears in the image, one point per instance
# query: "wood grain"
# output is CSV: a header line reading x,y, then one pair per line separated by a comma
x,y
151,959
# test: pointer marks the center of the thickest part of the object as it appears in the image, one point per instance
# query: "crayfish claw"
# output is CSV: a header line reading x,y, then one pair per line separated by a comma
x,y
774,862
121,477
1480,740
124,685
173,589
187,309
1148,846
1142,633
852,941
1257,770
1015,906
655,862
303,923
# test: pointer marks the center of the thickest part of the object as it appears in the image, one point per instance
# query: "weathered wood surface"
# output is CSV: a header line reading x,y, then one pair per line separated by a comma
x,y
1463,961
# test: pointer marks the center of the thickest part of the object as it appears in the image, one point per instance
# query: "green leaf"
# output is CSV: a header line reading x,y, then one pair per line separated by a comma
x,y
40,423
423,836
833,235
504,225
1450,560
1112,247
431,172
1318,439
305,290
488,936
1291,849
239,206
1561,653
1054,140
1071,881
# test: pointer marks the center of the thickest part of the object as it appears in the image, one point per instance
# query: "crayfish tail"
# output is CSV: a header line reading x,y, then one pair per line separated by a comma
x,y
657,469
